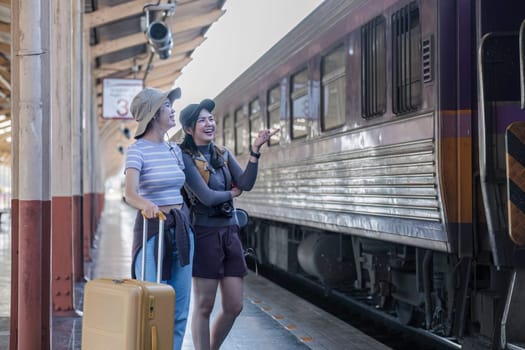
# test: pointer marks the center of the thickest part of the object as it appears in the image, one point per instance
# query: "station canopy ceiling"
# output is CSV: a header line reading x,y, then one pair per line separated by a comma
x,y
119,49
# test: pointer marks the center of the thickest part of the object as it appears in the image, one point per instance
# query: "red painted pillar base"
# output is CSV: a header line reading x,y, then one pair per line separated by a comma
x,y
87,208
62,259
100,206
33,286
78,252
13,325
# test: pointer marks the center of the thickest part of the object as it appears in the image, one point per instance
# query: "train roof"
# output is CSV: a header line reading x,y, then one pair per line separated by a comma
x,y
319,21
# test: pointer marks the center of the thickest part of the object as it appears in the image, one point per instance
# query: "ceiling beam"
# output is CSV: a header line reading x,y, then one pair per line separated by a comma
x,y
4,47
125,65
5,72
113,13
5,83
109,46
182,48
138,38
4,60
196,21
5,12
128,62
112,68
190,8
126,9
164,81
157,62
164,70
5,27
188,46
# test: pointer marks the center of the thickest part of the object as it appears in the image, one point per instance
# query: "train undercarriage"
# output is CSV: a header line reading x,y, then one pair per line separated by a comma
x,y
451,298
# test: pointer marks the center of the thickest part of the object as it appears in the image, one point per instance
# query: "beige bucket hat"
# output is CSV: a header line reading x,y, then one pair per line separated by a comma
x,y
147,103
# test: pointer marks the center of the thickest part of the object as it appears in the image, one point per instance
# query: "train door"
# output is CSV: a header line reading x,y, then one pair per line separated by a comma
x,y
499,108
501,128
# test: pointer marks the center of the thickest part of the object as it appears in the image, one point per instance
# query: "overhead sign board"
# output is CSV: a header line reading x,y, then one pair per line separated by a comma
x,y
117,95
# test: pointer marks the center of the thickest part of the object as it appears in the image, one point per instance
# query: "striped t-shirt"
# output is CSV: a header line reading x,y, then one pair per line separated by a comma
x,y
160,166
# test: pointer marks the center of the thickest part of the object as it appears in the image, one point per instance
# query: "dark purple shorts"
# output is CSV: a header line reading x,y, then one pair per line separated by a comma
x,y
218,253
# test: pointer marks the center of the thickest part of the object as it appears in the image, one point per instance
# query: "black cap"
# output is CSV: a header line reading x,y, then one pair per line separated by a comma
x,y
190,113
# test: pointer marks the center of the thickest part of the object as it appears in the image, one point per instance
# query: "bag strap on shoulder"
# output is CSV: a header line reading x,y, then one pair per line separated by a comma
x,y
202,164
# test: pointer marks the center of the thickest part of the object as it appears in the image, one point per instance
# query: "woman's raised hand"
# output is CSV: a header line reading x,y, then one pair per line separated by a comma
x,y
263,137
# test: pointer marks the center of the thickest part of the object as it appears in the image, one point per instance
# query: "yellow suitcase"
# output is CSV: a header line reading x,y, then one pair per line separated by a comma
x,y
129,314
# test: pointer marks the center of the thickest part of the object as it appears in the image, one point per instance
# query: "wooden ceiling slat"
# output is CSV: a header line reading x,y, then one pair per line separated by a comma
x,y
157,62
4,61
5,72
109,46
112,68
196,21
5,13
163,81
164,70
183,48
108,69
116,66
5,47
188,46
113,13
5,27
5,83
127,9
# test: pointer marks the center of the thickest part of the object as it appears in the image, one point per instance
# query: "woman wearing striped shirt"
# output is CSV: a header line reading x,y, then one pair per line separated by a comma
x,y
154,177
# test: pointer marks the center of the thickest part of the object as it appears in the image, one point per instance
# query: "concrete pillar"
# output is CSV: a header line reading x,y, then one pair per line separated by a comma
x,y
87,155
62,160
30,317
77,149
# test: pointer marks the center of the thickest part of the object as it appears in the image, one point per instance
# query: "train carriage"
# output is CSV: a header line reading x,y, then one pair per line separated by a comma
x,y
399,167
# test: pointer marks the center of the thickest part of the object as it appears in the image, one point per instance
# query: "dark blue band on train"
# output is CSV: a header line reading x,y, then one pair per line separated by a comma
x,y
517,196
516,148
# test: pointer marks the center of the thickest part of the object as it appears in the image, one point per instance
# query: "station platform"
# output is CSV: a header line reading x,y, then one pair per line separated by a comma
x,y
272,318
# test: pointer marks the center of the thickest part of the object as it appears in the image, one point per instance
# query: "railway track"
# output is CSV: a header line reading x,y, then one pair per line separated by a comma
x,y
358,310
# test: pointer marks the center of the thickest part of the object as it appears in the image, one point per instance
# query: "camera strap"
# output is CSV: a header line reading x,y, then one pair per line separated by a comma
x,y
205,170
203,166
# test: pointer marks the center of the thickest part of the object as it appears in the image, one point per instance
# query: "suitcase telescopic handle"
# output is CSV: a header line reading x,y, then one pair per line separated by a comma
x,y
160,239
154,338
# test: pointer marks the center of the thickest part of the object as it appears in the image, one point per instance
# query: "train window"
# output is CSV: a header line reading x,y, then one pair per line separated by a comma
x,y
406,59
299,103
373,68
274,112
241,133
333,89
256,122
228,136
